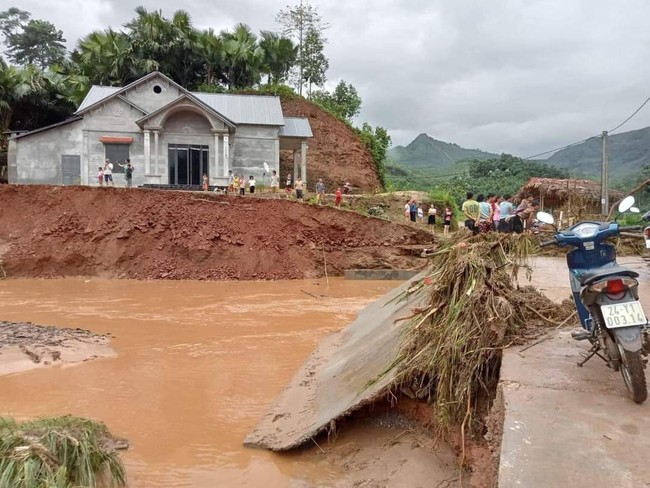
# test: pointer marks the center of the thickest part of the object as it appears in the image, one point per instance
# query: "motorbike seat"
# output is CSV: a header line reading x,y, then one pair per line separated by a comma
x,y
591,277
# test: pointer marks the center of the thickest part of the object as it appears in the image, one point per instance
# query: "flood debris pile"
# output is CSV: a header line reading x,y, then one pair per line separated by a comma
x,y
59,452
450,349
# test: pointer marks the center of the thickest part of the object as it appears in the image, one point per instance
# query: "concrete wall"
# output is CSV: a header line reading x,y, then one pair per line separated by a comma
x,y
143,95
253,145
36,159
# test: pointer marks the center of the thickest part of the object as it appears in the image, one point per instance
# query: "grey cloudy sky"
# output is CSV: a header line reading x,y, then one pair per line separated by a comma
x,y
517,76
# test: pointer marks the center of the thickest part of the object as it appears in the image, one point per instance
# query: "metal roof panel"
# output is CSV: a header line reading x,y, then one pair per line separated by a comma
x,y
296,127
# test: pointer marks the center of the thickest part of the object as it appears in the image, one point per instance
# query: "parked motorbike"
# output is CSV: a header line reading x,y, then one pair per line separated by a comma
x,y
607,299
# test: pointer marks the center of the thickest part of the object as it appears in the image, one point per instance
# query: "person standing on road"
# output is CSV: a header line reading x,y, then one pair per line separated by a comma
x,y
320,191
128,172
275,182
299,189
447,221
431,220
472,212
289,185
108,172
251,184
413,210
242,186
338,195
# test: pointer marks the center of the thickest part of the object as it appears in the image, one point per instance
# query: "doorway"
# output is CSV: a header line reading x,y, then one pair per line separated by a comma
x,y
187,164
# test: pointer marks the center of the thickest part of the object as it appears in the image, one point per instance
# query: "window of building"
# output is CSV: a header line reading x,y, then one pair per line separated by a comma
x,y
117,154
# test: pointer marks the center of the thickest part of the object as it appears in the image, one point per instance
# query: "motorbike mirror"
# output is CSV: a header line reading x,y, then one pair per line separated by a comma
x,y
545,218
635,210
626,204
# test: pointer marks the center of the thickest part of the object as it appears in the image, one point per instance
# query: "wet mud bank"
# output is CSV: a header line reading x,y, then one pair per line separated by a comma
x,y
25,346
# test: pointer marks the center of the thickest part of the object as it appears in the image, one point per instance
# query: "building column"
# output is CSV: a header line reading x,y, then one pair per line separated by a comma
x,y
156,169
226,155
85,160
295,164
215,166
276,157
303,162
147,152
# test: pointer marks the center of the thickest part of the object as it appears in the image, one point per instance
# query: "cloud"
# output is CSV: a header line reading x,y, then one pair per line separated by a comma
x,y
510,76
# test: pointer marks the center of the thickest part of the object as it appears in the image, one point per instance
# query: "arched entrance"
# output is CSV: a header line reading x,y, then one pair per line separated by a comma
x,y
188,134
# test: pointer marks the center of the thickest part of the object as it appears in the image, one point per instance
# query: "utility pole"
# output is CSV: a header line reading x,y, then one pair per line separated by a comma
x,y
604,194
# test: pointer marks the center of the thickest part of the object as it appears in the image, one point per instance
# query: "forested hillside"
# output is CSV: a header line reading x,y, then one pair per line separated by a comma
x,y
628,153
426,152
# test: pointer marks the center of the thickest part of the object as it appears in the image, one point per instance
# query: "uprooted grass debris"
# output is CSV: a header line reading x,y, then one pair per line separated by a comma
x,y
450,351
59,452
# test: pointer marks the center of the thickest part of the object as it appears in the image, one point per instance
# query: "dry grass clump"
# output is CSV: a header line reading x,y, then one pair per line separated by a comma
x,y
58,452
451,348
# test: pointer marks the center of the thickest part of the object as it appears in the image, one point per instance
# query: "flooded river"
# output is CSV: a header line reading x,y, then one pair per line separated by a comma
x,y
198,363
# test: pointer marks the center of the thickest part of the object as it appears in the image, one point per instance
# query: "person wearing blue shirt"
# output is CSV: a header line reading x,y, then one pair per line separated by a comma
x,y
507,212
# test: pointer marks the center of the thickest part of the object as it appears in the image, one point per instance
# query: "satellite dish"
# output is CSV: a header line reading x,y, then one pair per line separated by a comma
x,y
266,167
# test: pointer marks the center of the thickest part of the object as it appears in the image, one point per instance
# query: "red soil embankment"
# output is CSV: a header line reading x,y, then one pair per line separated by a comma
x,y
335,154
146,234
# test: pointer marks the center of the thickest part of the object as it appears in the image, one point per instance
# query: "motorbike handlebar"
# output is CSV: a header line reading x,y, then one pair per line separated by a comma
x,y
550,242
629,228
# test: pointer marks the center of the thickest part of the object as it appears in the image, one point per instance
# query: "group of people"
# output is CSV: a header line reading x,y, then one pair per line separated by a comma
x,y
494,212
414,212
236,184
105,173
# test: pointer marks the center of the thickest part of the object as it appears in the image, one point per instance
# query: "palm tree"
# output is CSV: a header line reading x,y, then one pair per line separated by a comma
x,y
17,85
209,48
242,57
109,58
280,54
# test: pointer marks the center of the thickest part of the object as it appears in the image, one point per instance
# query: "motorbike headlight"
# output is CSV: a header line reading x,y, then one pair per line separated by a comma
x,y
586,230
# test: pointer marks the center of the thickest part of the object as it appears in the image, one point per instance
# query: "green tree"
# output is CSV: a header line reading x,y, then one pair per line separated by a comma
x,y
377,141
279,56
210,51
344,101
109,58
31,41
313,62
297,23
170,44
242,57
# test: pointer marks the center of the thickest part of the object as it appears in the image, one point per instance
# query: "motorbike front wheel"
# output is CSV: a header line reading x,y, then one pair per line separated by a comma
x,y
633,374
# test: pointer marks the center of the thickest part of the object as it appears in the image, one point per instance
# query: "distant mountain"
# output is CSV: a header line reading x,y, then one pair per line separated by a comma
x,y
627,153
426,152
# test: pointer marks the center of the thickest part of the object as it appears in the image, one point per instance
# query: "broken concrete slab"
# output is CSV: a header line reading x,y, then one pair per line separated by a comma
x,y
348,370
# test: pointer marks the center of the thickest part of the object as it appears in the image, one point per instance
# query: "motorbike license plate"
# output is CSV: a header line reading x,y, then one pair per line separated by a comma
x,y
623,314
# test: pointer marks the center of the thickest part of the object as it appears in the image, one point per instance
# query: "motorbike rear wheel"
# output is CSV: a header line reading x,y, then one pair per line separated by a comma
x,y
633,374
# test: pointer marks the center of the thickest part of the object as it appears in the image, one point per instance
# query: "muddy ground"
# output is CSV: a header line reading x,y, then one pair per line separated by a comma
x,y
146,234
25,346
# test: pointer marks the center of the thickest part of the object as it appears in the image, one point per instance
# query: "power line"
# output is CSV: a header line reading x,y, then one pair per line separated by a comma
x,y
630,117
559,148
591,137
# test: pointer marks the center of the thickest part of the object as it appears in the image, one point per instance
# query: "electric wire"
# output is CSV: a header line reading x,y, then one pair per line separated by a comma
x,y
591,137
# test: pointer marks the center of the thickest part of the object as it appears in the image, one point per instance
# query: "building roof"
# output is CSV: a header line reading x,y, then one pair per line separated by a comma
x,y
562,188
295,127
241,109
74,118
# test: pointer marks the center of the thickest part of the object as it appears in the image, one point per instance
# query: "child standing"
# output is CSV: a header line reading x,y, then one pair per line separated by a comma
x,y
100,176
251,184
337,197
447,221
275,183
242,186
235,185
299,188
205,182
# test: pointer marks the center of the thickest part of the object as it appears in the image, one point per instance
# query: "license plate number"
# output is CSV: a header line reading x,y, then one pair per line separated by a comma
x,y
623,314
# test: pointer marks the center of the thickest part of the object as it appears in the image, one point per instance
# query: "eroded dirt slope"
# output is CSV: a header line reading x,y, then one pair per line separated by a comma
x,y
335,152
144,234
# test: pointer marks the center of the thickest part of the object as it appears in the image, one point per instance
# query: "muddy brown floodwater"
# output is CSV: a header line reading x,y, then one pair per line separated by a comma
x,y
197,364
